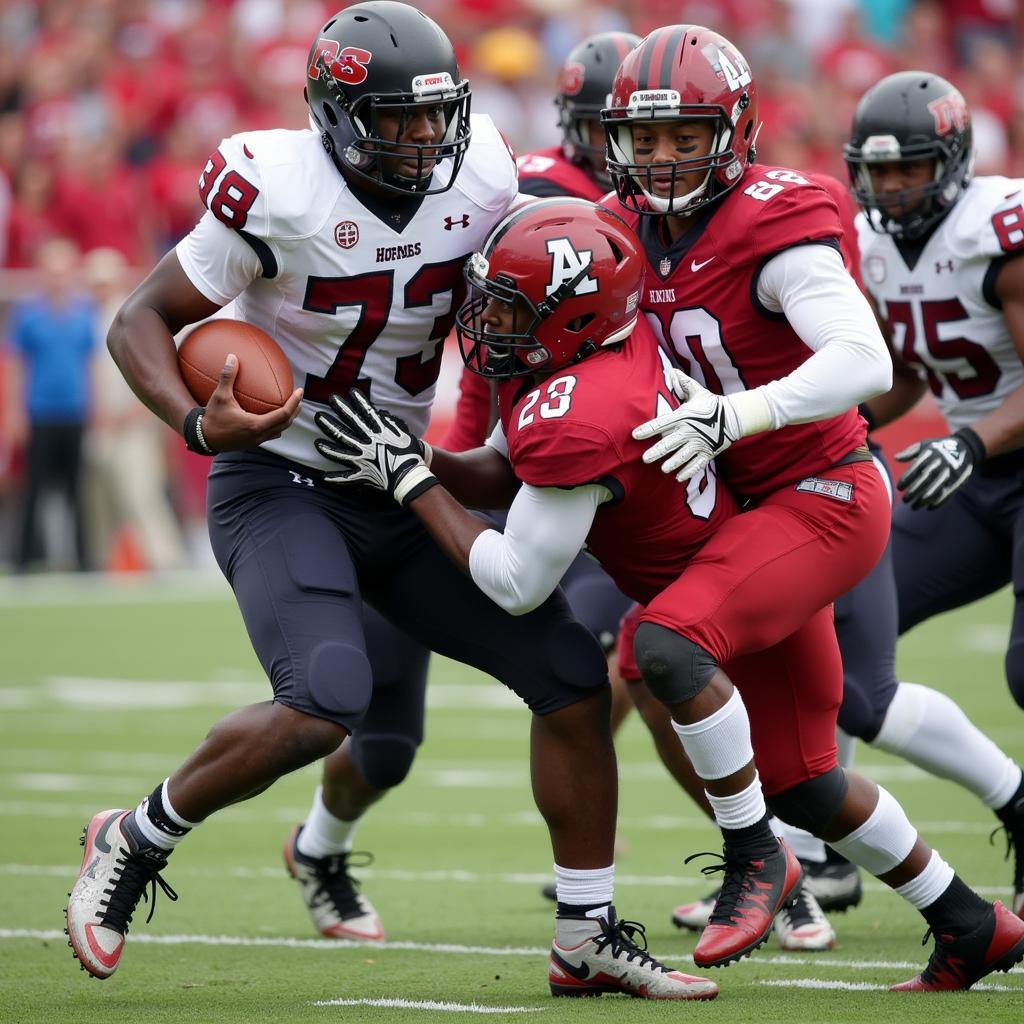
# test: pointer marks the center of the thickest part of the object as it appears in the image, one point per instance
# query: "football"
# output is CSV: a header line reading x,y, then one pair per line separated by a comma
x,y
264,379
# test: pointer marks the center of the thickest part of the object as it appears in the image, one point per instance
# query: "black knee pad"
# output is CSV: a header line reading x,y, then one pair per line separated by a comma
x,y
675,669
339,681
811,805
1015,669
383,759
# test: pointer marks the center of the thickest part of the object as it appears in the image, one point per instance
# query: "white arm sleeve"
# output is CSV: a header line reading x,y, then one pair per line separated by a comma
x,y
823,304
497,440
217,260
545,530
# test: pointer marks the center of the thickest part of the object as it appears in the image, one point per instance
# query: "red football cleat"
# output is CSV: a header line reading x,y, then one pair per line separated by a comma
x,y
751,896
957,963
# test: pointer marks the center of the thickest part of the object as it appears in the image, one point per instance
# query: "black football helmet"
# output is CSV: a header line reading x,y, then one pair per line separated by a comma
x,y
584,90
386,56
912,115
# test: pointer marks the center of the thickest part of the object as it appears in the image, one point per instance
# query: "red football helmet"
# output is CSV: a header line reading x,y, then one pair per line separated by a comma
x,y
572,272
682,73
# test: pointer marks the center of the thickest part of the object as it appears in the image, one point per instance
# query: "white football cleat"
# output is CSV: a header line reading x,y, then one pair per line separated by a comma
x,y
332,895
117,867
609,959
696,915
802,927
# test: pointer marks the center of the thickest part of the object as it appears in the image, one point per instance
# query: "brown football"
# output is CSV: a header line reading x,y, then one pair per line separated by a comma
x,y
264,379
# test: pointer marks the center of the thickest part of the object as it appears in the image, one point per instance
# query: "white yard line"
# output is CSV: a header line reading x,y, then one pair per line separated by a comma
x,y
865,986
411,1004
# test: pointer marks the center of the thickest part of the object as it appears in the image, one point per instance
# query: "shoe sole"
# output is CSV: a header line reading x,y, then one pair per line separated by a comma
x,y
573,991
739,954
83,841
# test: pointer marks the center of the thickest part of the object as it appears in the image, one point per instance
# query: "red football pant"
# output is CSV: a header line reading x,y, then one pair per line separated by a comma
x,y
758,598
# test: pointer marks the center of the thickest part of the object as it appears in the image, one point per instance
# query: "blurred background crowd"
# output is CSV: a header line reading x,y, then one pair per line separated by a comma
x,y
109,109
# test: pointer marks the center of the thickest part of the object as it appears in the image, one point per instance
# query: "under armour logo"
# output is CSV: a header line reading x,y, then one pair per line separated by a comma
x,y
298,478
463,222
939,264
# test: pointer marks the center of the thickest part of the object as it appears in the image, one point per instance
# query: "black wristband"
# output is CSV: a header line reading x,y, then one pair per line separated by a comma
x,y
867,414
973,444
421,488
192,431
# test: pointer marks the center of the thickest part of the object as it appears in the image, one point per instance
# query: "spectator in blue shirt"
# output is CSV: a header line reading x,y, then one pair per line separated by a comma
x,y
53,336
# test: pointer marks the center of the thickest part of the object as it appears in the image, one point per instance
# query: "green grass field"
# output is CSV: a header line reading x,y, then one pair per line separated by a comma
x,y
105,687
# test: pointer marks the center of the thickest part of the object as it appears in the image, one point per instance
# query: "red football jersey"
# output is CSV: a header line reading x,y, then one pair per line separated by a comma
x,y
574,427
546,172
700,295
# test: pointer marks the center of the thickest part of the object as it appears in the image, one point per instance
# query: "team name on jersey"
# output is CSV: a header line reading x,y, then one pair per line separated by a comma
x,y
911,289
661,295
387,253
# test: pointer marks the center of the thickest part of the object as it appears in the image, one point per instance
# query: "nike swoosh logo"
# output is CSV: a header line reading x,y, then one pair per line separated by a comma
x,y
695,266
581,972
101,843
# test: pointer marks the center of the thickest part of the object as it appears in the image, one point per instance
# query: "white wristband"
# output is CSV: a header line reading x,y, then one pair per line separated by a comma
x,y
753,413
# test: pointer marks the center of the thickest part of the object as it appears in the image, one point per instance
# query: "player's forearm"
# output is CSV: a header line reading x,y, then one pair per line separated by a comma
x,y
452,526
478,478
1002,430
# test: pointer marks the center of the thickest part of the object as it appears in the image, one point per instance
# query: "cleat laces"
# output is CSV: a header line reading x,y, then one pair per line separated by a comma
x,y
629,937
942,966
336,884
133,873
735,888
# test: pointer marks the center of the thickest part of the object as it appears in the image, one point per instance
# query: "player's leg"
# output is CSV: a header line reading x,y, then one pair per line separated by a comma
x,y
377,757
556,666
281,547
807,547
969,547
792,733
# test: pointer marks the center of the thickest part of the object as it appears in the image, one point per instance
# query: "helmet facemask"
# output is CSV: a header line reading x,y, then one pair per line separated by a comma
x,y
352,131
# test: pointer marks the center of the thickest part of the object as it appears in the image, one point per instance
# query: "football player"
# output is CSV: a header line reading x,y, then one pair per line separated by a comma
x,y
319,853
346,243
553,315
941,260
746,288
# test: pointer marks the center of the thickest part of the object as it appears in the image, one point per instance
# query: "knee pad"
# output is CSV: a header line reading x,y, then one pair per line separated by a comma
x,y
674,668
339,680
811,805
1015,669
383,759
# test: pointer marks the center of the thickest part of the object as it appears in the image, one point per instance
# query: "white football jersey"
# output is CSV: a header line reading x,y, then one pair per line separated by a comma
x,y
943,314
351,298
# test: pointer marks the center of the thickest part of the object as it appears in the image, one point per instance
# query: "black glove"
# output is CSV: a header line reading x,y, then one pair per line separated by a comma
x,y
940,467
374,447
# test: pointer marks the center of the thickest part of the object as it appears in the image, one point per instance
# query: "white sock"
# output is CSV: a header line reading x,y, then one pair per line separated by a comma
x,y
719,745
883,841
158,836
741,809
805,846
585,887
931,731
927,887
324,835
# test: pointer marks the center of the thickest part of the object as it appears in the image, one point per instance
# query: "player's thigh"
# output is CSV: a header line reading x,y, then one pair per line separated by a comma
x,y
292,573
865,622
792,693
946,557
546,656
767,571
595,600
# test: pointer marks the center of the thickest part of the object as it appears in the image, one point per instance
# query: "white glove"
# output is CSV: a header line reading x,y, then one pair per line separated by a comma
x,y
375,447
703,426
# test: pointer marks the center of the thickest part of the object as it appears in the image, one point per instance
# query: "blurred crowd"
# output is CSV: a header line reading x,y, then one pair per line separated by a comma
x,y
109,109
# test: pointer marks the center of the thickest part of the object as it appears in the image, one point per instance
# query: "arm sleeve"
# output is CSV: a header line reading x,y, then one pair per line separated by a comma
x,y
497,440
545,530
850,364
